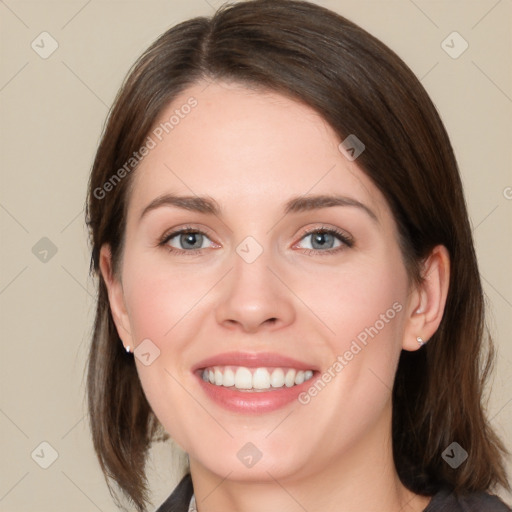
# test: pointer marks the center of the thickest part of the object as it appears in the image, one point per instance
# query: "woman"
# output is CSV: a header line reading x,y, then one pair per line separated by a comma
x,y
318,344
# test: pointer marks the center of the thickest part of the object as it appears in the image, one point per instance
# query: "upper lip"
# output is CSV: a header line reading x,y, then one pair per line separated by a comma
x,y
253,360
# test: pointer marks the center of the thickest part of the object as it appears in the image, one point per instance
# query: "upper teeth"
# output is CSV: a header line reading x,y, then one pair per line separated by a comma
x,y
255,378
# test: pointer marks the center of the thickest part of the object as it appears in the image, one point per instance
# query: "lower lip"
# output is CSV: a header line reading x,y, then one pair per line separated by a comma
x,y
256,402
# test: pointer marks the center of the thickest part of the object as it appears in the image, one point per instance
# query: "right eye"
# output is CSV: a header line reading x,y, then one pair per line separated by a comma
x,y
186,241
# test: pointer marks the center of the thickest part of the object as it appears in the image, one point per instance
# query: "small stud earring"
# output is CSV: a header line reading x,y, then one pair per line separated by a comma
x,y
128,349
420,341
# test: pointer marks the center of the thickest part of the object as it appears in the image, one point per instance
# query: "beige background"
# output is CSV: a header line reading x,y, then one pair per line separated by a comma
x,y
52,112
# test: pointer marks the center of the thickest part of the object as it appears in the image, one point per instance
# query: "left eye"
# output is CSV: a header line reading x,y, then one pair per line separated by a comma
x,y
324,239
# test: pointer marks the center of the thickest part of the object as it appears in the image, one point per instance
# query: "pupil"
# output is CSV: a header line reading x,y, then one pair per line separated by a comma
x,y
191,238
320,239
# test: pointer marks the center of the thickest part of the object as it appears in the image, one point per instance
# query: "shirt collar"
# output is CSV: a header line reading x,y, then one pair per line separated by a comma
x,y
192,504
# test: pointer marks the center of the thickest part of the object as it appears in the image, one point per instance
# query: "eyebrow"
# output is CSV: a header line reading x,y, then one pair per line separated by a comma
x,y
208,205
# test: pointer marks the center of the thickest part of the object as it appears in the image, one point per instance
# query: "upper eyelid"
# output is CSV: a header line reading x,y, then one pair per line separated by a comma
x,y
171,233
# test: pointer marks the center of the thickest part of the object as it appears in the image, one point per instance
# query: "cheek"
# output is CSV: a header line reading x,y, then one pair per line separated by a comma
x,y
362,307
160,303
152,305
158,297
363,311
359,302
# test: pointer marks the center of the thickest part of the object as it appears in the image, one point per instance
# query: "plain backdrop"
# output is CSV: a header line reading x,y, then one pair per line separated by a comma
x,y
52,111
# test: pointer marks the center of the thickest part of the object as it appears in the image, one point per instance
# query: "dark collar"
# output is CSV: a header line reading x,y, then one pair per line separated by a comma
x,y
442,501
180,498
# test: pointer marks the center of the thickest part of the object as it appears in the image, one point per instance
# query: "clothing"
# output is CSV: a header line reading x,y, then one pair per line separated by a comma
x,y
445,501
182,500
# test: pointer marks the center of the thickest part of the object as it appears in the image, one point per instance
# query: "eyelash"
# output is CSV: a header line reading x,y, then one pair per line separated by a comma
x,y
346,240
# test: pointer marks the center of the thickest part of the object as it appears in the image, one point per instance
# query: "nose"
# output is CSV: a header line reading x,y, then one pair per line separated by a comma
x,y
253,297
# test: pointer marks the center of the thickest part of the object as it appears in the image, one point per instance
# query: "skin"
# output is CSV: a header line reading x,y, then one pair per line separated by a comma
x,y
251,151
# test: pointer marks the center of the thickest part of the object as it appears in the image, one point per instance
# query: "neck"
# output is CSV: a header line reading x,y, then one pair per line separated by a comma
x,y
361,478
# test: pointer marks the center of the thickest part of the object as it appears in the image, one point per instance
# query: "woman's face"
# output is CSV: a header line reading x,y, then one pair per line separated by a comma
x,y
250,287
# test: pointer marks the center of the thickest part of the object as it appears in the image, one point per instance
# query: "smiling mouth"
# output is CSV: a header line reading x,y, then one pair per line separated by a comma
x,y
245,379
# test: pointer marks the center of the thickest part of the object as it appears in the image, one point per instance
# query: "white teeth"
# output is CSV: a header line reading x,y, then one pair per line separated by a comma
x,y
299,378
229,378
277,378
261,379
289,380
243,378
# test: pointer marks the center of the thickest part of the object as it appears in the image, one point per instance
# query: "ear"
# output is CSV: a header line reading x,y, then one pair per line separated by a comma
x,y
115,297
427,300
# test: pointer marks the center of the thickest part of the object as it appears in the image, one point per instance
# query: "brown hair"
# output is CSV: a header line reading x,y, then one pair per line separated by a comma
x,y
361,87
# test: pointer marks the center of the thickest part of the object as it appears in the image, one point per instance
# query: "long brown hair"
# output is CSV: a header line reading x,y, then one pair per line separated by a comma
x,y
359,86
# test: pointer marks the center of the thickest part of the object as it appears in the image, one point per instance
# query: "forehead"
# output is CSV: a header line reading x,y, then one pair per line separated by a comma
x,y
246,146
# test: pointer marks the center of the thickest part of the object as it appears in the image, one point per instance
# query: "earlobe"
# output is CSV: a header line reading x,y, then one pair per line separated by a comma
x,y
427,301
115,296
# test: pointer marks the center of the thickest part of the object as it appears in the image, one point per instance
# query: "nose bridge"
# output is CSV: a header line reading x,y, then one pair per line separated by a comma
x,y
251,263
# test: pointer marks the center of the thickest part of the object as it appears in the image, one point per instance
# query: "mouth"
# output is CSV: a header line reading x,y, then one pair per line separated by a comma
x,y
250,383
260,379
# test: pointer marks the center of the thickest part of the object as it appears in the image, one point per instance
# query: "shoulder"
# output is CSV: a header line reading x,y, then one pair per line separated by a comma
x,y
446,501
